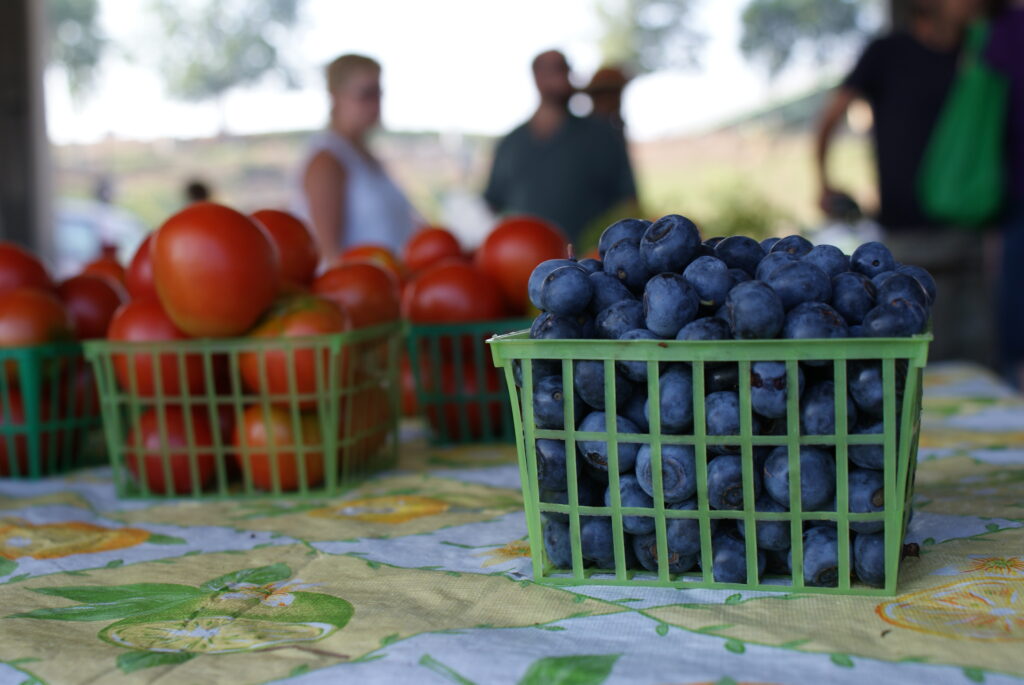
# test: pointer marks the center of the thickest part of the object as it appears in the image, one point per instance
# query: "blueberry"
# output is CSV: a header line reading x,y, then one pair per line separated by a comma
x,y
675,388
710,278
768,243
721,376
740,276
549,404
818,411
902,286
740,252
878,279
705,328
897,319
712,242
853,296
624,315
856,331
829,259
869,559
548,326
821,557
729,562
646,549
567,290
607,291
625,229
778,562
669,304
596,538
669,244
754,311
814,320
867,495
678,472
558,544
817,477
589,493
868,456
722,416
634,409
595,452
588,380
771,262
551,464
725,482
623,260
871,259
923,278
795,245
771,535
800,282
635,371
537,276
768,383
632,495
591,266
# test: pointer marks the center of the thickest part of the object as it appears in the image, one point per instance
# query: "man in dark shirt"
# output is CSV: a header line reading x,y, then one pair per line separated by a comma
x,y
563,168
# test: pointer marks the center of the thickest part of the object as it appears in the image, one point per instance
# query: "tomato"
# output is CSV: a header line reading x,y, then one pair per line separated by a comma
x,y
216,270
293,318
446,417
451,292
367,291
429,246
295,245
91,302
260,430
513,249
19,268
145,320
377,254
364,431
12,420
407,380
139,277
106,267
32,317
145,450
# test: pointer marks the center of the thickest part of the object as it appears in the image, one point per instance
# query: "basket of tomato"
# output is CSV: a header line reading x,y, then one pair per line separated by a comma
x,y
236,371
454,303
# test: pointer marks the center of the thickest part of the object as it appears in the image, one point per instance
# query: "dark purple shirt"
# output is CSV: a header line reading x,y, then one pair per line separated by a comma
x,y
1005,52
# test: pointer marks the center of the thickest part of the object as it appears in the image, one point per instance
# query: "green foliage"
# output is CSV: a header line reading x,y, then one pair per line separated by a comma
x,y
76,41
647,35
743,210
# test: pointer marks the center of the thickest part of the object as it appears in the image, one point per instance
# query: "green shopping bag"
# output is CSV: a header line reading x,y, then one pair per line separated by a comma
x,y
962,174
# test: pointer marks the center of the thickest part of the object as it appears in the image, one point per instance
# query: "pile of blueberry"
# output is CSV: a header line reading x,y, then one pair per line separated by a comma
x,y
659,281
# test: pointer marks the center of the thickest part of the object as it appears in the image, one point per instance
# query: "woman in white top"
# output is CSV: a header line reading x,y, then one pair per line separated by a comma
x,y
343,191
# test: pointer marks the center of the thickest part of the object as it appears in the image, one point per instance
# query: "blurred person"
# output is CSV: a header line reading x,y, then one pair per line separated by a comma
x,y
343,190
605,92
905,77
569,170
196,190
1005,53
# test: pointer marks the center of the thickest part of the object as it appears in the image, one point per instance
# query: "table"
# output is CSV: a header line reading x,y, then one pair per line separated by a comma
x,y
422,575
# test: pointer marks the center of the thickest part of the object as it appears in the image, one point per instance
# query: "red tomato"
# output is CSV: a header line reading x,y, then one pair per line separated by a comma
x,y
364,431
106,267
19,268
13,424
294,318
145,320
31,317
259,431
367,291
216,270
146,450
407,379
449,415
91,302
513,249
429,246
377,254
139,277
452,292
295,245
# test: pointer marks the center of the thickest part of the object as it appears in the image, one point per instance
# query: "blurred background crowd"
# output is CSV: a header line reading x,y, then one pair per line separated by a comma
x,y
761,117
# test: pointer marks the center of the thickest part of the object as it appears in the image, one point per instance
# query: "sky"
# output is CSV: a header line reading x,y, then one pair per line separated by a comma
x,y
448,65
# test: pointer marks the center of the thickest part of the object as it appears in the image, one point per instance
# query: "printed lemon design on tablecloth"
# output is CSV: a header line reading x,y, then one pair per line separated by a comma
x,y
214,634
996,566
516,549
387,509
54,540
985,609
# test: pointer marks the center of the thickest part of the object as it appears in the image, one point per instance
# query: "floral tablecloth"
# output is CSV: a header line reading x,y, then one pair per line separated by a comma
x,y
422,575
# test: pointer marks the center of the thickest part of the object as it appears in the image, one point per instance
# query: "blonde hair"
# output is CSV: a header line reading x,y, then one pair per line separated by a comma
x,y
341,70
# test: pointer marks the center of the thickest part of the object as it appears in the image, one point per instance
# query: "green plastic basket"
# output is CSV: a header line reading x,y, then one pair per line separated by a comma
x,y
448,363
48,410
331,401
901,426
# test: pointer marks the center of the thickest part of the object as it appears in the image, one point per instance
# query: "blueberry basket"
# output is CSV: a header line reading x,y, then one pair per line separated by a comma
x,y
809,501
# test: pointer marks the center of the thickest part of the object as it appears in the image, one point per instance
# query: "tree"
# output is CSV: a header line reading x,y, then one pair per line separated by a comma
x,y
773,30
213,46
76,41
647,35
